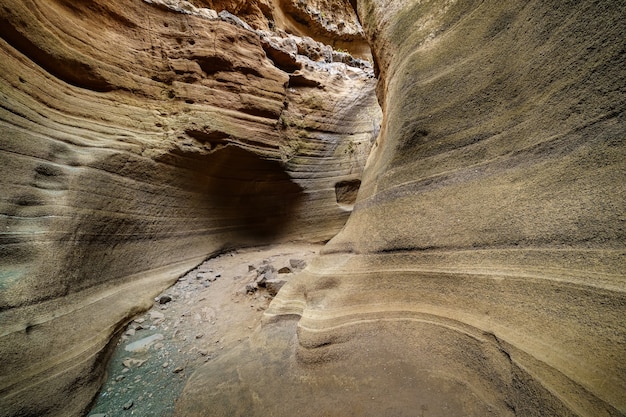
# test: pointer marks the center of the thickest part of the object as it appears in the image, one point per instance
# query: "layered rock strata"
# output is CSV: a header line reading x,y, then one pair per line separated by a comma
x,y
482,269
481,272
136,139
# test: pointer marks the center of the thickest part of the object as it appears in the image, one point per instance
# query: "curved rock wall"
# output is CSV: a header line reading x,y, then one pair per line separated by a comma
x,y
482,270
480,273
136,139
486,248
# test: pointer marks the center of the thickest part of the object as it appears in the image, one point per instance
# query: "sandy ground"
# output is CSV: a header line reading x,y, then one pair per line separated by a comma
x,y
207,312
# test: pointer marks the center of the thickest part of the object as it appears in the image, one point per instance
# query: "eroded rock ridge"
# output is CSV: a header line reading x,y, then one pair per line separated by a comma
x,y
138,138
481,268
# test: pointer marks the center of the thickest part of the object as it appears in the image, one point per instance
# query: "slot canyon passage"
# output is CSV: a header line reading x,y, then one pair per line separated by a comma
x,y
462,160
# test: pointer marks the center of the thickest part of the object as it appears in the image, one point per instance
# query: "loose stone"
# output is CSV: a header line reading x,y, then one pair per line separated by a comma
x,y
164,299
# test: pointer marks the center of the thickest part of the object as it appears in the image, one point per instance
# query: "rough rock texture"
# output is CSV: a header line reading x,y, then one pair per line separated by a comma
x,y
480,273
136,139
482,269
333,22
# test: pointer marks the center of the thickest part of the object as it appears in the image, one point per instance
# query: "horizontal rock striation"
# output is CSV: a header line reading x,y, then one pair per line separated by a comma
x,y
136,139
482,269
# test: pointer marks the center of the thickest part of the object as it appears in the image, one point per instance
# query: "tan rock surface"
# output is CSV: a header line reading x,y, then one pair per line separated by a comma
x,y
482,270
480,273
137,139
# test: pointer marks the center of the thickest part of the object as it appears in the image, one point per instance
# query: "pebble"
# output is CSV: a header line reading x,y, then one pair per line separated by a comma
x,y
274,285
163,299
119,378
178,369
297,263
267,269
144,344
157,317
166,364
128,405
130,363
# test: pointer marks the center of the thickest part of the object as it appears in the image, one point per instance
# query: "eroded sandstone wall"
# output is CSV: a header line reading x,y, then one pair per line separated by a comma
x,y
482,270
136,139
493,202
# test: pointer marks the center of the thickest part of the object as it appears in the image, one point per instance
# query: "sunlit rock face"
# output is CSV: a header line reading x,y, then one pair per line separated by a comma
x,y
482,269
138,138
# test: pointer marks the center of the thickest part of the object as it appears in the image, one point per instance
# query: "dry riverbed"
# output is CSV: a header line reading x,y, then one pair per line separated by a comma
x,y
208,311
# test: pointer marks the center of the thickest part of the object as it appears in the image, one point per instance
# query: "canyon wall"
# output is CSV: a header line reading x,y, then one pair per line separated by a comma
x,y
137,139
482,269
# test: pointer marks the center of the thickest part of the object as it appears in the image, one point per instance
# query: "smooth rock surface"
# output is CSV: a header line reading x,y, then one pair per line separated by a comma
x,y
137,139
482,269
